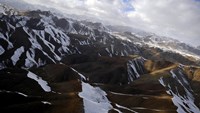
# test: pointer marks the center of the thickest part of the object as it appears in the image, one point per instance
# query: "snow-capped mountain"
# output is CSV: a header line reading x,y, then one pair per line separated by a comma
x,y
36,38
52,64
164,43
6,10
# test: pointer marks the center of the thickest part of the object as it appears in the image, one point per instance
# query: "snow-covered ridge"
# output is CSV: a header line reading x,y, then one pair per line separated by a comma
x,y
163,43
179,50
183,101
51,42
135,68
44,39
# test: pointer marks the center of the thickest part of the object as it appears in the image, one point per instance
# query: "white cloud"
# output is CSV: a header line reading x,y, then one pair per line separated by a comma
x,y
176,18
179,19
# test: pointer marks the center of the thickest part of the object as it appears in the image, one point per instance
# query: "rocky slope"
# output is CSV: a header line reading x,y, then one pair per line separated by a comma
x,y
51,64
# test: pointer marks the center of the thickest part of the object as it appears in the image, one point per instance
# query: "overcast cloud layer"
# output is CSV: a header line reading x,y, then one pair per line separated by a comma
x,y
178,19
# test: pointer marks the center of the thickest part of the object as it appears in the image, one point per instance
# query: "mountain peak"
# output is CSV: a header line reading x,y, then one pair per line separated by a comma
x,y
7,10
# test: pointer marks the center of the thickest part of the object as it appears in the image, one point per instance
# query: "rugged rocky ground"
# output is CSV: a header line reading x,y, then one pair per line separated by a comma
x,y
60,65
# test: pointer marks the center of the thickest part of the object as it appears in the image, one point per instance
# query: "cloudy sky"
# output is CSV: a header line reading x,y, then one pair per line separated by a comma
x,y
178,19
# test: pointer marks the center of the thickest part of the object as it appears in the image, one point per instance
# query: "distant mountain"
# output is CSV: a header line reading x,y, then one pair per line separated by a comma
x,y
7,10
164,43
52,64
122,29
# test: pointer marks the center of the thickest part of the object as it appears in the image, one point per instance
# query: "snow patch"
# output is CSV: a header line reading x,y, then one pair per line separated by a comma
x,y
81,75
22,94
117,110
1,50
94,99
108,51
41,82
84,42
122,107
17,54
112,48
123,94
30,61
45,102
162,81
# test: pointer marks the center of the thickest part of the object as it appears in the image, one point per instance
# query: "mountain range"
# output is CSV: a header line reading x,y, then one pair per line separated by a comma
x,y
55,64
